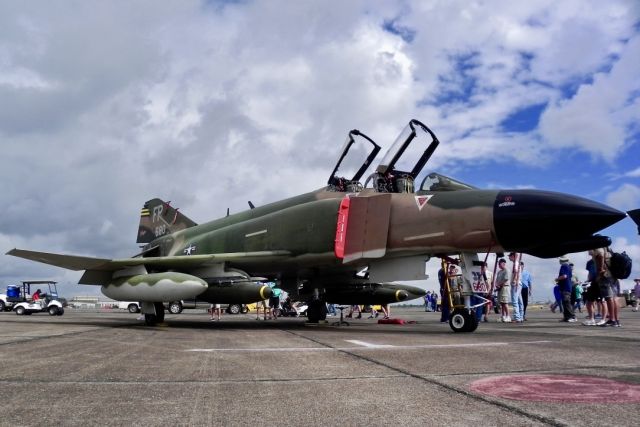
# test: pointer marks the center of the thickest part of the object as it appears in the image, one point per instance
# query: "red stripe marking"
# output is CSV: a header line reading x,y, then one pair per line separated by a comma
x,y
341,228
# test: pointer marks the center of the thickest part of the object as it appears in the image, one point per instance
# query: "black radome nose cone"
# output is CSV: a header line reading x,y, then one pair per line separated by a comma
x,y
528,219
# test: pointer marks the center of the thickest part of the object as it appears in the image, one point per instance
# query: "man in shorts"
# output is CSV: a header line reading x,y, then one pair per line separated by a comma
x,y
265,308
504,290
605,281
214,309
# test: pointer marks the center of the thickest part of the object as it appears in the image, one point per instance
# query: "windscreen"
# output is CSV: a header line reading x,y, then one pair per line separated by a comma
x,y
410,151
436,182
356,155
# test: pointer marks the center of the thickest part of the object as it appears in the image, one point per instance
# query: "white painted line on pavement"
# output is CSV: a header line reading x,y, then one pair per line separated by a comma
x,y
368,344
363,346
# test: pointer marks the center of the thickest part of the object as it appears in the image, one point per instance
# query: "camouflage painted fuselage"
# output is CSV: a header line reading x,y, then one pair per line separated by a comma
x,y
305,226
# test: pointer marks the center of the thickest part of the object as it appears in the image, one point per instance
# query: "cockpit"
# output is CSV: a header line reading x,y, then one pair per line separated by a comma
x,y
437,182
357,146
398,170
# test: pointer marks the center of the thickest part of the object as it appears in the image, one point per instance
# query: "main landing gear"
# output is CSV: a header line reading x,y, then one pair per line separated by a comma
x,y
316,311
158,317
461,287
464,320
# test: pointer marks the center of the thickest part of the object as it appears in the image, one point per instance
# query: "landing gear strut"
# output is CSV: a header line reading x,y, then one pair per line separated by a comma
x,y
461,287
316,311
158,317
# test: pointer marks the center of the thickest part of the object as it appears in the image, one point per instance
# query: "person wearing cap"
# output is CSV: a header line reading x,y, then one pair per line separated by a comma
x,y
636,290
565,287
504,291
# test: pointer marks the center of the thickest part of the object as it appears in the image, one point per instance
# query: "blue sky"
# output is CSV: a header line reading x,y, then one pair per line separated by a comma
x,y
211,104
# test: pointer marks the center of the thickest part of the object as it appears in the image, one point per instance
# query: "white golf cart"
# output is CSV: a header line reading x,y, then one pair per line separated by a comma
x,y
48,302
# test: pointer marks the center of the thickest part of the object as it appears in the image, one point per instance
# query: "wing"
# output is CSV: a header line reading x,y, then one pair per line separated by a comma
x,y
74,262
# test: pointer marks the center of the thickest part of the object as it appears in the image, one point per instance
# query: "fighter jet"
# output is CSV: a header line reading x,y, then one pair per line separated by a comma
x,y
345,243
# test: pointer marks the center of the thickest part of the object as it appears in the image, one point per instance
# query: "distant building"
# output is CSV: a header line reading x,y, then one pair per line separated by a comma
x,y
84,301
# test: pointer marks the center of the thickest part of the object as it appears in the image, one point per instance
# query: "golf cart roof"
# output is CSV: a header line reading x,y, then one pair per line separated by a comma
x,y
38,282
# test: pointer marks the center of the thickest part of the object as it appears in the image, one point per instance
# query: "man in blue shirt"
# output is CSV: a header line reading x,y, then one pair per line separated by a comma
x,y
527,288
564,283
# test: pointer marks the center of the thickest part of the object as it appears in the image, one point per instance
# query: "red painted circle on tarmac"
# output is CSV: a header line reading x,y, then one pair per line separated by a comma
x,y
558,388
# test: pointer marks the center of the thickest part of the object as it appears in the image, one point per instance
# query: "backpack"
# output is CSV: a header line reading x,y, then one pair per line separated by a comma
x,y
620,265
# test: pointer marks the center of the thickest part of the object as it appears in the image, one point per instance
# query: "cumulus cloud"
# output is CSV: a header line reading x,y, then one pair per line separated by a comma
x,y
602,116
634,173
626,197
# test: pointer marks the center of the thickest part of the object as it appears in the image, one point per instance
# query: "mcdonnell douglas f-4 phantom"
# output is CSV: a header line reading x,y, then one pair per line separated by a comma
x,y
346,243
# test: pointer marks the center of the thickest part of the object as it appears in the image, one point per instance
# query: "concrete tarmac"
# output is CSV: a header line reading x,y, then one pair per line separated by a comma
x,y
107,368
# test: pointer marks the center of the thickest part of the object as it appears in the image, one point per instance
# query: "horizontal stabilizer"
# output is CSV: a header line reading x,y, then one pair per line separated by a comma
x,y
70,262
73,262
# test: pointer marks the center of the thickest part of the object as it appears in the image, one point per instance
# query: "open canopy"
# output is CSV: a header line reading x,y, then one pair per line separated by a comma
x,y
357,147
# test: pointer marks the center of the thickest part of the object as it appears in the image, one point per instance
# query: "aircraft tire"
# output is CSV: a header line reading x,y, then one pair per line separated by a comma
x,y
323,311
313,315
150,319
159,311
316,311
473,324
463,320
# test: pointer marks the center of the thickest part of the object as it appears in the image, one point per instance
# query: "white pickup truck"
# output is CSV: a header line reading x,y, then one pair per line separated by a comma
x,y
4,304
176,307
132,306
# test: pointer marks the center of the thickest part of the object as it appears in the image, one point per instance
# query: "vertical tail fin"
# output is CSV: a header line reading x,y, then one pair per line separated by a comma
x,y
635,216
158,218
